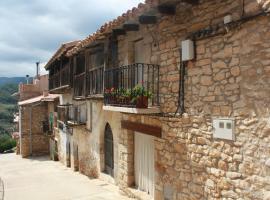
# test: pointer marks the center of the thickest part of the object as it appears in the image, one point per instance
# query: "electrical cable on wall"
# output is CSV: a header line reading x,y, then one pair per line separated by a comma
x,y
181,91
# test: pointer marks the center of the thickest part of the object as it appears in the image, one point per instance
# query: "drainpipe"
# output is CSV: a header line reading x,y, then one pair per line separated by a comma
x,y
20,127
182,87
30,132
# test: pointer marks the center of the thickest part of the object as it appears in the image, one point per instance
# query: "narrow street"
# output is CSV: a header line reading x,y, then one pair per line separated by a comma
x,y
42,179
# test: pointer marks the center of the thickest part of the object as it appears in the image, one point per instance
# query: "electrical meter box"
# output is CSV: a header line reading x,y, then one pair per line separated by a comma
x,y
223,128
187,50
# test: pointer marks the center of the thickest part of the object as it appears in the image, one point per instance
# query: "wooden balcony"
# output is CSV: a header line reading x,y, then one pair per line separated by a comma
x,y
54,81
79,85
72,114
60,80
77,115
94,82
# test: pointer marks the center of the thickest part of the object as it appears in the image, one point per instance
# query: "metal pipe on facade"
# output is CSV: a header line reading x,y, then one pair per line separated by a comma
x,y
20,127
30,132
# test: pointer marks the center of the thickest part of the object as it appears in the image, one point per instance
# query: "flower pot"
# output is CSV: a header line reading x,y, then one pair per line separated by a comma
x,y
142,102
127,101
112,100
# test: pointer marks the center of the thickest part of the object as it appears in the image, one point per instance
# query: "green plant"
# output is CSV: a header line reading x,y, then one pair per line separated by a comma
x,y
127,93
122,96
110,92
139,91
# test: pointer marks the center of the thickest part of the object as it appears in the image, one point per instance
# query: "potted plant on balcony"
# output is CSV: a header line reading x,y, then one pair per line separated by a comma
x,y
123,97
110,95
127,97
120,96
140,96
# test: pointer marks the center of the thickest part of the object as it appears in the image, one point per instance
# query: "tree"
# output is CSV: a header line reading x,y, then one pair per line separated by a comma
x,y
6,143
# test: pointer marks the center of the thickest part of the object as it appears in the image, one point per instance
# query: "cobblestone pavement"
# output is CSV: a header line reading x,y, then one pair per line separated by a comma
x,y
42,179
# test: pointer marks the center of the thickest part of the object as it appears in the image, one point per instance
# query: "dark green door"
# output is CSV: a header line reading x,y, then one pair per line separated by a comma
x,y
108,143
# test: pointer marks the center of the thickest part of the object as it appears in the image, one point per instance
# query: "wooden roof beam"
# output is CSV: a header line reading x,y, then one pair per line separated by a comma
x,y
118,31
131,26
147,19
167,9
192,2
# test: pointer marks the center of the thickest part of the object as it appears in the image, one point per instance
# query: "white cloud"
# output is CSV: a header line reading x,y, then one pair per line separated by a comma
x,y
33,30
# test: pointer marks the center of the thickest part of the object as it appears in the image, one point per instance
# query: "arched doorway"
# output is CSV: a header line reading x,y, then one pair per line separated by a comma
x,y
108,147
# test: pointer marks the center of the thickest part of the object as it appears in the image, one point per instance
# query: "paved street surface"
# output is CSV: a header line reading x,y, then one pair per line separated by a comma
x,y
42,179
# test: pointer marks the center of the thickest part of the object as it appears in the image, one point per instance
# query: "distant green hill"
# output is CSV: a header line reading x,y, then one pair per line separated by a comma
x,y
8,106
16,80
6,90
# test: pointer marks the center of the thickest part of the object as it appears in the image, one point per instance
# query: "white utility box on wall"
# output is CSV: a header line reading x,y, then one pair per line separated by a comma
x,y
223,128
187,50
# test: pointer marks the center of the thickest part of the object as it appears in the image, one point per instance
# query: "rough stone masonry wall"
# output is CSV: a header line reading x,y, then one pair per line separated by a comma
x,y
79,150
87,142
190,164
40,142
229,78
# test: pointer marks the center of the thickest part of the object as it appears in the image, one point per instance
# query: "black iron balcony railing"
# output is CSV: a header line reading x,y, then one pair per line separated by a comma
x,y
79,85
78,114
94,81
124,83
72,114
63,113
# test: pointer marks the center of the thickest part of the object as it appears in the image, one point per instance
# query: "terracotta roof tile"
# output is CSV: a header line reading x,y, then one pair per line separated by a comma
x,y
108,26
61,51
50,97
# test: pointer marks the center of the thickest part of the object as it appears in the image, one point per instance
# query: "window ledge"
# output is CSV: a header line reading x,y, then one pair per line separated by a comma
x,y
149,110
96,96
72,123
60,89
79,98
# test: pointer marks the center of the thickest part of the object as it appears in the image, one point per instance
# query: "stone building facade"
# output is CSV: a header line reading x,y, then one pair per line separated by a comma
x,y
227,80
36,107
33,142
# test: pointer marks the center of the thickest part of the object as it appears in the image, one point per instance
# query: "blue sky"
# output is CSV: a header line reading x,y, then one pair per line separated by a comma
x,y
32,30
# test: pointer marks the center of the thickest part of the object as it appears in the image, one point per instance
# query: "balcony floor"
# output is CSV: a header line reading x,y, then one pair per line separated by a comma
x,y
149,110
60,90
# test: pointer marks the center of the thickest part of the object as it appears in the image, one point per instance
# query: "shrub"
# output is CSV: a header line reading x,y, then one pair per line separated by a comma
x,y
6,143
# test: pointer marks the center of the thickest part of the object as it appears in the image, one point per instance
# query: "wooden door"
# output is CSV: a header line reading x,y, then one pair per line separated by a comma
x,y
144,163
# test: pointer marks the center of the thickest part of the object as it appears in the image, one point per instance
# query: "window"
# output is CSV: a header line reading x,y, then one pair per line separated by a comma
x,y
113,53
80,66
